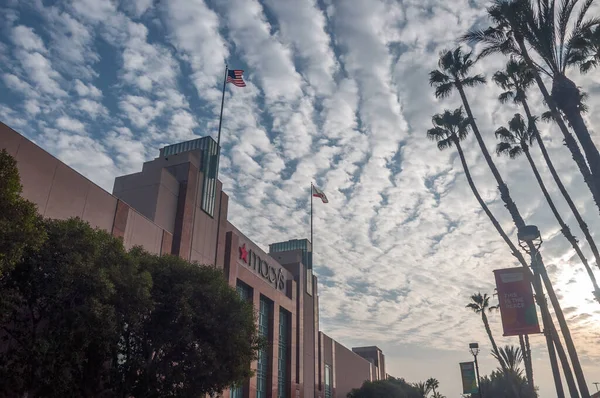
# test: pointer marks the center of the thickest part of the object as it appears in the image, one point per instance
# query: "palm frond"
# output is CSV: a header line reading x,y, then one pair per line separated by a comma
x,y
473,81
438,77
445,143
437,133
547,116
444,90
517,126
506,96
503,148
582,11
505,135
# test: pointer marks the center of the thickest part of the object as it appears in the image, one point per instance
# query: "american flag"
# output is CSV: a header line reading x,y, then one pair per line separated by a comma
x,y
235,76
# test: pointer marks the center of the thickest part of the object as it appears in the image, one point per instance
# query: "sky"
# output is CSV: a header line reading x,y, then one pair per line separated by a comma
x,y
337,93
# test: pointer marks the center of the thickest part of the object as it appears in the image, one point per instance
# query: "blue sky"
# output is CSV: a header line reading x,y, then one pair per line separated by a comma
x,y
338,94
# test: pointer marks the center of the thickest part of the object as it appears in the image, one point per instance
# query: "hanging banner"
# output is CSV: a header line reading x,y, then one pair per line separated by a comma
x,y
517,305
469,380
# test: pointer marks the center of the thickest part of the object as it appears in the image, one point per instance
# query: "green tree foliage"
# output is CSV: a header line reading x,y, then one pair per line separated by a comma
x,y
185,346
20,224
61,310
82,316
496,386
390,388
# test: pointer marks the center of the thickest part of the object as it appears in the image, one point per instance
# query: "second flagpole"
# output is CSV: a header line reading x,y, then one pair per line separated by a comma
x,y
312,246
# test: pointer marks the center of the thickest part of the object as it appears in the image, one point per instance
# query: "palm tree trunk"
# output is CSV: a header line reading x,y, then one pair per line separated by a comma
x,y
514,251
563,190
502,187
566,96
591,177
519,223
528,367
566,231
549,327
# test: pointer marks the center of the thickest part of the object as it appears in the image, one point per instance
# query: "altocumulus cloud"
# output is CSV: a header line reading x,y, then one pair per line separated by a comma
x,y
337,94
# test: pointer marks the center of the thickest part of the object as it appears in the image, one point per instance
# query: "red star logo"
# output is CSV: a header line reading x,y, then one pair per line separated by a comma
x,y
243,253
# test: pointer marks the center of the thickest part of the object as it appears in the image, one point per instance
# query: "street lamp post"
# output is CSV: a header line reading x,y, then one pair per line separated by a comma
x,y
530,240
474,348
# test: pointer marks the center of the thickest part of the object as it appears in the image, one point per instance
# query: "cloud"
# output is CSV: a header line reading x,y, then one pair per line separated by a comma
x,y
25,38
92,108
200,45
67,123
85,90
41,73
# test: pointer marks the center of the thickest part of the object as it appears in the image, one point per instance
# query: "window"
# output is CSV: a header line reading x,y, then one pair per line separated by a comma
x,y
210,165
244,290
284,318
237,392
263,355
327,381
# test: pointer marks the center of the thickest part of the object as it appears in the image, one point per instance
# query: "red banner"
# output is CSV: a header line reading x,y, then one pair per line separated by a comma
x,y
517,306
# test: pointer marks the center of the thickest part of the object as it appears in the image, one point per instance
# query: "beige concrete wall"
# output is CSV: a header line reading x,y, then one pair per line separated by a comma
x,y
142,232
58,191
351,370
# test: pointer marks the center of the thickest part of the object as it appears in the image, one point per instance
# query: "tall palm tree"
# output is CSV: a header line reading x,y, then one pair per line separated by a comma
x,y
454,74
433,384
516,24
480,304
450,128
515,140
515,79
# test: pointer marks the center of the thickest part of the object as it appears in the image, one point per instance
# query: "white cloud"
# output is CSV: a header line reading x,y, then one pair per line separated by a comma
x,y
140,110
302,23
67,123
85,90
27,39
18,85
41,73
92,108
146,65
199,44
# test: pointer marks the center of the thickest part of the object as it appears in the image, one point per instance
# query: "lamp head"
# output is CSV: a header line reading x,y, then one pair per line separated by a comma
x,y
474,348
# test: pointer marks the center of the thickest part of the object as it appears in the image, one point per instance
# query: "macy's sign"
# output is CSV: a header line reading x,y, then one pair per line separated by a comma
x,y
263,268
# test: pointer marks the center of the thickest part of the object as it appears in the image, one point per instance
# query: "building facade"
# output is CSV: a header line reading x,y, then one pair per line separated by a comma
x,y
175,205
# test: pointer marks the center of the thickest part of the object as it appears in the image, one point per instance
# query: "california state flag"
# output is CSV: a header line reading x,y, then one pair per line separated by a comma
x,y
317,193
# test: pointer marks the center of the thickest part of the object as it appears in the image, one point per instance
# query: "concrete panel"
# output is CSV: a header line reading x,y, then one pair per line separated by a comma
x,y
9,139
120,220
36,168
167,243
166,207
142,199
351,370
68,194
142,232
100,208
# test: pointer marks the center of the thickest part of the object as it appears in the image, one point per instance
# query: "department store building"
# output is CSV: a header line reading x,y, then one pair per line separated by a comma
x,y
176,205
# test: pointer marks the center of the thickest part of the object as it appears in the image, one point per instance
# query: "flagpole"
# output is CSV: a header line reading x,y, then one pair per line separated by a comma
x,y
217,165
312,245
221,115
